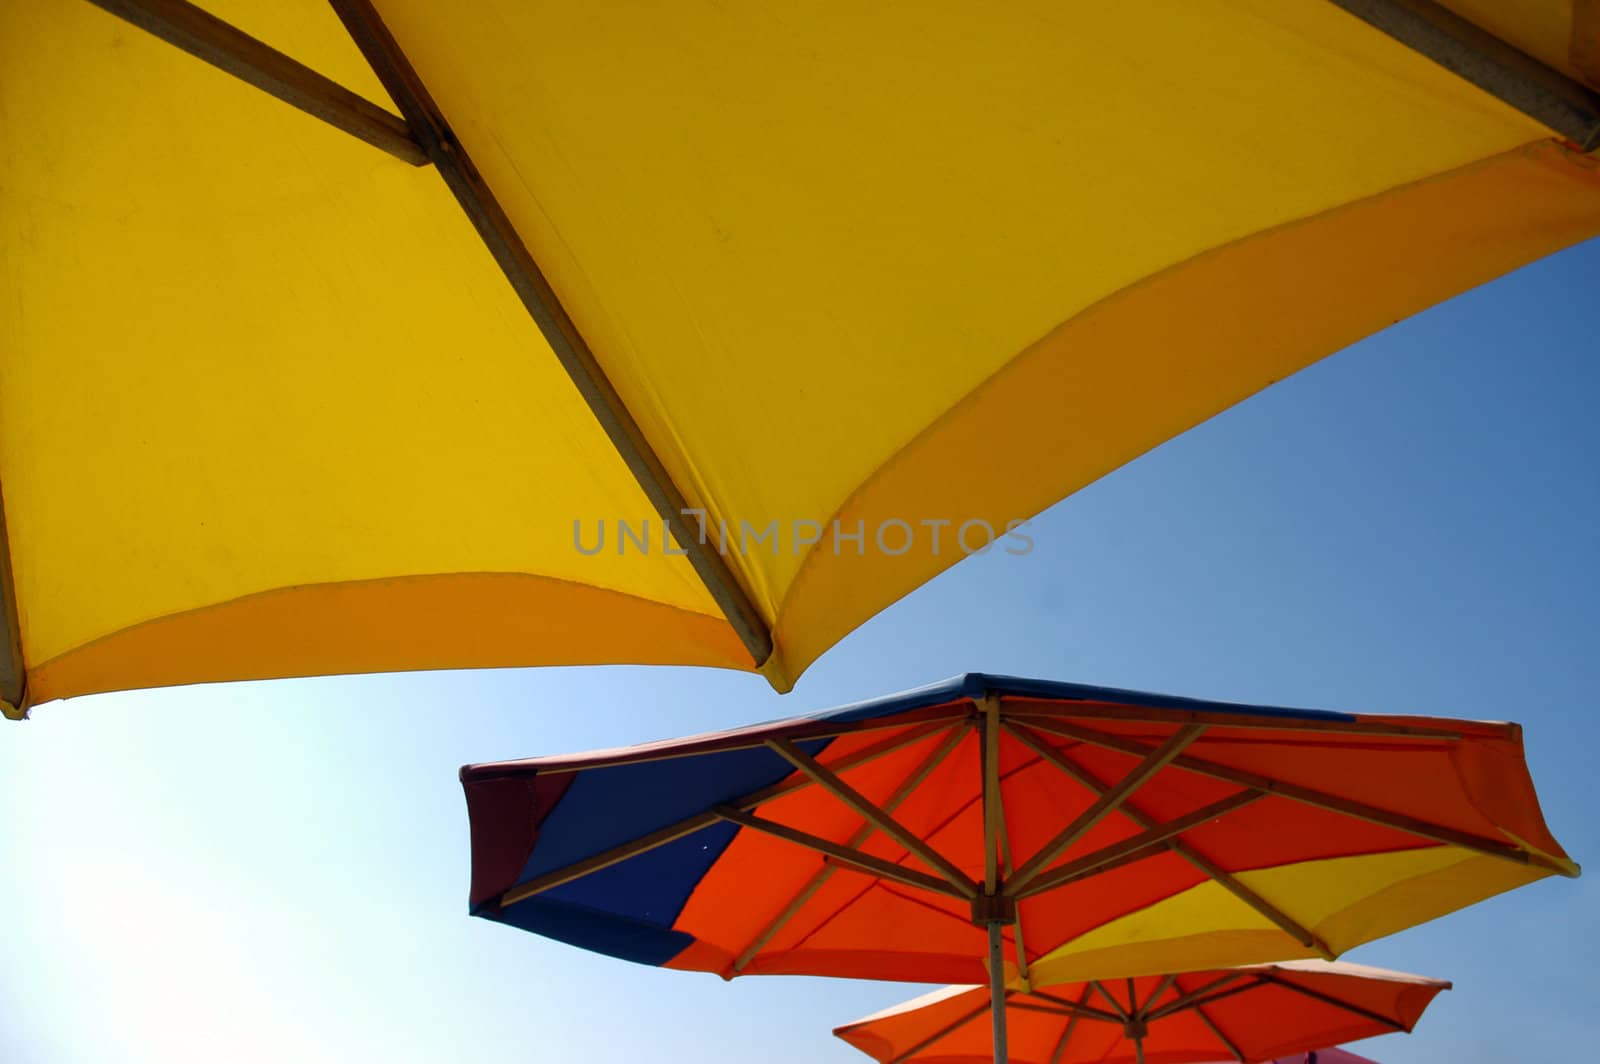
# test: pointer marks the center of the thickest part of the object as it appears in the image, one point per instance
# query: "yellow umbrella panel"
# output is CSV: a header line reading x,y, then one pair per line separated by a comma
x,y
843,291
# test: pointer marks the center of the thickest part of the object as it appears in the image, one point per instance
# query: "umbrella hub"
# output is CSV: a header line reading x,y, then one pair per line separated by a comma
x,y
994,909
1135,1029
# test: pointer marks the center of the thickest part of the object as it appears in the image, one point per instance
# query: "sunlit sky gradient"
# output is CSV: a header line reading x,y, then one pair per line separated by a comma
x,y
278,871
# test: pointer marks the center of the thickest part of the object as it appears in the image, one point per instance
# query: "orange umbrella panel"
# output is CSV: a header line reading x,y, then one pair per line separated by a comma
x,y
1102,833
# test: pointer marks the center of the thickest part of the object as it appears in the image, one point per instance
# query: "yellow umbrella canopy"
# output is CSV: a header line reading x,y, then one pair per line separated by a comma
x,y
843,290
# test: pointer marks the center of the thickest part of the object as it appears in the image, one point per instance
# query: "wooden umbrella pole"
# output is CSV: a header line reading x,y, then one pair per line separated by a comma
x,y
997,989
993,907
1136,1030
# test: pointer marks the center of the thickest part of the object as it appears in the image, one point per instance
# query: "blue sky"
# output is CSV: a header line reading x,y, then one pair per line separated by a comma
x,y
278,871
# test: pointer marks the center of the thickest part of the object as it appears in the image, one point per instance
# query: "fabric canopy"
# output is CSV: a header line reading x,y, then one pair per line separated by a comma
x,y
1139,833
1254,1014
862,285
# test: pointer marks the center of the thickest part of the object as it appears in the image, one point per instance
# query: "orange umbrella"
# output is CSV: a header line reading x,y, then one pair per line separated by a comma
x,y
1062,831
1256,1013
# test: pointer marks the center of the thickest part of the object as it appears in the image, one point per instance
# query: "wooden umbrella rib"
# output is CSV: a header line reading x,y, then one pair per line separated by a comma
x,y
989,754
856,859
1047,1010
1493,65
615,855
823,874
1216,995
1211,1025
1288,924
1240,721
989,911
1329,999
1174,845
439,141
699,821
1145,844
1116,1005
1066,1035
1007,867
231,50
782,917
1162,987
1067,1032
941,1033
13,668
1075,1008
1153,762
1309,796
1055,757
1064,1009
879,818
802,732
1184,1000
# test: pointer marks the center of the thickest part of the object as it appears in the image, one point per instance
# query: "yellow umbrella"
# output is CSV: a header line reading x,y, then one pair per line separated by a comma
x,y
861,285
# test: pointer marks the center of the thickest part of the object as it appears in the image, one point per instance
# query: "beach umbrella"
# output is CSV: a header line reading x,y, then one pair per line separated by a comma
x,y
1259,1013
989,828
1334,1055
382,336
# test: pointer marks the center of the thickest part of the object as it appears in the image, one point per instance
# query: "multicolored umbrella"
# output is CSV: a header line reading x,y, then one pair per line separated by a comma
x,y
989,828
411,373
1256,1014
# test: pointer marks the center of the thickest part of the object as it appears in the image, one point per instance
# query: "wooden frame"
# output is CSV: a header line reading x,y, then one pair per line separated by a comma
x,y
1328,999
13,669
933,719
940,1033
1152,840
1136,1017
1201,994
997,900
1211,1026
1007,857
1172,844
691,824
235,52
1001,893
1071,1028
1108,802
1312,797
1161,988
823,874
1245,721
1542,93
423,136
877,817
440,143
845,855
1099,987
1080,1008
988,726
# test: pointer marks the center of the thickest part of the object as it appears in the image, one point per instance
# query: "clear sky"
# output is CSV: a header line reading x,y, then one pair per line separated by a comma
x,y
278,871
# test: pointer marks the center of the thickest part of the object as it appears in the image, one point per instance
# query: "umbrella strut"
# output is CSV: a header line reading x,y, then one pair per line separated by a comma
x,y
991,909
